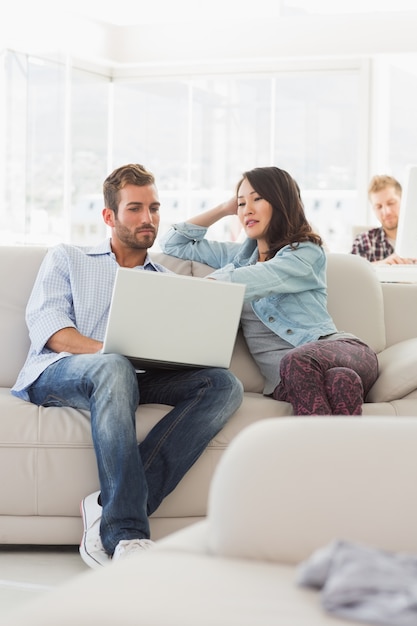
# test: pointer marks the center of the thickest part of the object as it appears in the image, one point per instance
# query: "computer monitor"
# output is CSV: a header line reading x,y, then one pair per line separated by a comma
x,y
406,241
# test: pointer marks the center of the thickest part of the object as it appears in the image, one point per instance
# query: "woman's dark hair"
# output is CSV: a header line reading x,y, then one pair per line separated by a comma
x,y
288,225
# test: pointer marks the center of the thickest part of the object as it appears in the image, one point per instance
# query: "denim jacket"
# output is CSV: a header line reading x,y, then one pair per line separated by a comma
x,y
288,293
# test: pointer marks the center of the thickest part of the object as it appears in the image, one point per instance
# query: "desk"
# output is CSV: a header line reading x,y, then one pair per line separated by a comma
x,y
396,273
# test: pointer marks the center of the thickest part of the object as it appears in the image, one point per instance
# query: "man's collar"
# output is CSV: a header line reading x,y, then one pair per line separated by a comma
x,y
105,248
149,262
102,248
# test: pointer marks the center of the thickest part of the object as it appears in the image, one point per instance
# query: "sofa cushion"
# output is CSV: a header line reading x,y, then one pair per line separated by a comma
x,y
397,372
174,588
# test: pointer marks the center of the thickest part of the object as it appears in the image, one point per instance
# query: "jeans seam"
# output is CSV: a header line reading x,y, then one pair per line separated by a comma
x,y
168,432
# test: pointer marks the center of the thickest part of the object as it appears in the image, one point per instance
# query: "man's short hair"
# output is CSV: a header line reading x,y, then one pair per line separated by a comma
x,y
131,174
381,181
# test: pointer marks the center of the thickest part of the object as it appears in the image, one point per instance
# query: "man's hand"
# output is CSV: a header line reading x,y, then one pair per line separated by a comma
x,y
70,340
394,259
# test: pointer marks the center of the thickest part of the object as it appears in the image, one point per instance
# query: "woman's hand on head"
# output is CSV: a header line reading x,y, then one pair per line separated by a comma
x,y
210,217
230,206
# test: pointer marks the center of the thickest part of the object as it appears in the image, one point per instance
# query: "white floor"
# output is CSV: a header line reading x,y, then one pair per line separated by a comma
x,y
28,571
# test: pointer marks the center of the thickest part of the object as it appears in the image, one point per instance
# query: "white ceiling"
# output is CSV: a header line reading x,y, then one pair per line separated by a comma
x,y
136,12
127,33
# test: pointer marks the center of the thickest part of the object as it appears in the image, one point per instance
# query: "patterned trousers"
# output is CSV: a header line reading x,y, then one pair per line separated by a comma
x,y
327,377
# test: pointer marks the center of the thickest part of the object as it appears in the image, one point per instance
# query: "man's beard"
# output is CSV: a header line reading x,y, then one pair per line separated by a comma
x,y
130,239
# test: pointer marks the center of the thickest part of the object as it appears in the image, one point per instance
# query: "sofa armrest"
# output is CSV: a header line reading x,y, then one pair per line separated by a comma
x,y
397,372
193,538
287,487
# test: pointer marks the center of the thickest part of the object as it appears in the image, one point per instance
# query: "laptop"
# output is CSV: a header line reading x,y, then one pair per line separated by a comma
x,y
166,320
406,241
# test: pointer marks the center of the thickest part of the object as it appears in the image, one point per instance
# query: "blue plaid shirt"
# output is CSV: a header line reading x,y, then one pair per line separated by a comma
x,y
73,289
374,245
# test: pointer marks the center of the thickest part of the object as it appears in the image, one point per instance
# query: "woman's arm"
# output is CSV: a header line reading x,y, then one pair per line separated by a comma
x,y
186,240
289,271
210,217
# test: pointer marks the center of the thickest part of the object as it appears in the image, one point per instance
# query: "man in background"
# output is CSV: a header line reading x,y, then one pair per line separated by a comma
x,y
378,244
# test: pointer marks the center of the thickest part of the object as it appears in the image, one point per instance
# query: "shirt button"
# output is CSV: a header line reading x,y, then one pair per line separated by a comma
x,y
271,319
289,331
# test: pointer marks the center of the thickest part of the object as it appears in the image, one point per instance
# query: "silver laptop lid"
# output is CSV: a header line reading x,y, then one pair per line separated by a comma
x,y
167,320
406,240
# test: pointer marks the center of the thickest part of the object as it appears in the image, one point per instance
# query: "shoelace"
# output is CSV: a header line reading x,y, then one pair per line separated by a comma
x,y
97,545
129,546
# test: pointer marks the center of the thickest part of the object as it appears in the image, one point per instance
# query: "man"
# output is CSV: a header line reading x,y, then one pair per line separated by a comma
x,y
378,244
66,315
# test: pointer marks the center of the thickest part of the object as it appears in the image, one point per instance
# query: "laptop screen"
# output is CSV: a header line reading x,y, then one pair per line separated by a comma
x,y
406,242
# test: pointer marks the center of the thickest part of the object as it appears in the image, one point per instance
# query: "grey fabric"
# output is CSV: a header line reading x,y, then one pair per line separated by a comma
x,y
266,347
363,583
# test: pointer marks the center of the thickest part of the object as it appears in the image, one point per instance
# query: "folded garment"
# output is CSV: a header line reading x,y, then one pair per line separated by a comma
x,y
362,583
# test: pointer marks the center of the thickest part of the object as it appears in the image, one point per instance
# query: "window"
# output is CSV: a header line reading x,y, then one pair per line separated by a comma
x,y
199,134
402,133
88,148
66,127
55,150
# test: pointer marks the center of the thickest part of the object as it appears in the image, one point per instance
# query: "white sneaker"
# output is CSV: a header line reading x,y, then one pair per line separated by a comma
x,y
91,548
128,547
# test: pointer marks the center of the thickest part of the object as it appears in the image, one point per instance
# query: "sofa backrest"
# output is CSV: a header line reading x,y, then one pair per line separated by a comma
x,y
355,302
355,298
19,266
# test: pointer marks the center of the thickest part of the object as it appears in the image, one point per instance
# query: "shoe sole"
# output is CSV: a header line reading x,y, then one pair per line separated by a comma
x,y
85,555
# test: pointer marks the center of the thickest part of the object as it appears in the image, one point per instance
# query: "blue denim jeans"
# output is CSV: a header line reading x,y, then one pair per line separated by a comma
x,y
134,478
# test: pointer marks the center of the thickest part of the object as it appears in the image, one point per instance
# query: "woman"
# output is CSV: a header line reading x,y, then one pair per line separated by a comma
x,y
291,335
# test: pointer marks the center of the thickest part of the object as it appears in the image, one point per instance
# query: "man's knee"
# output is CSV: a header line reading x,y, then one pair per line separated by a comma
x,y
115,372
227,382
117,363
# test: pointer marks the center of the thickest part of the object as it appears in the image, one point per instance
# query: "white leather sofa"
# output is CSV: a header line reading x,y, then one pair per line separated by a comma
x,y
282,490
47,461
